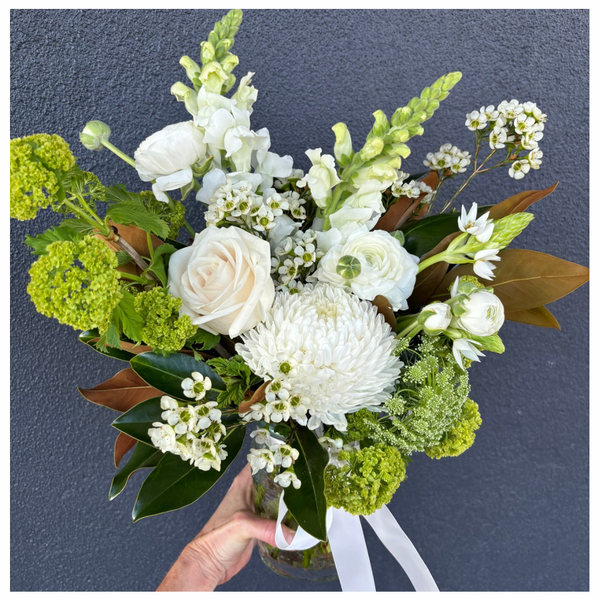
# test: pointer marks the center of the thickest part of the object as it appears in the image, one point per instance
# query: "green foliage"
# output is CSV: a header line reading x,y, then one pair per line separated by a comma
x,y
158,264
142,457
367,481
135,213
163,329
172,213
39,243
83,189
125,319
204,339
433,391
38,164
237,377
76,283
461,435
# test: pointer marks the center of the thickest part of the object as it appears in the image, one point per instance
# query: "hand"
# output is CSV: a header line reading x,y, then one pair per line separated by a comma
x,y
225,544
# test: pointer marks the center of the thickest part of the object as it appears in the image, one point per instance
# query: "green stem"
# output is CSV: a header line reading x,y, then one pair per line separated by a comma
x,y
136,279
436,258
118,152
407,329
150,246
189,228
86,217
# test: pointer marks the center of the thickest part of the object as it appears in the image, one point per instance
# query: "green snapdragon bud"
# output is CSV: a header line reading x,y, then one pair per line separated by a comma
x,y
343,143
93,134
372,148
186,95
192,69
381,124
213,76
207,52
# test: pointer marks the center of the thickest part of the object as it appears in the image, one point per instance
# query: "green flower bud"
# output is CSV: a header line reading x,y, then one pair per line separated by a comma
x,y
372,148
348,267
399,235
192,69
207,52
343,142
93,134
507,229
213,76
229,62
186,95
381,124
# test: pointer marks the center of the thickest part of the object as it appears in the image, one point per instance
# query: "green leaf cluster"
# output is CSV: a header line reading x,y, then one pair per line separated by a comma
x,y
124,321
428,401
460,436
367,481
38,165
172,213
76,283
40,242
237,376
163,329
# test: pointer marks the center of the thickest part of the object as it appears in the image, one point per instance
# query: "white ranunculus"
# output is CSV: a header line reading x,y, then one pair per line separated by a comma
x,y
167,157
439,319
223,280
322,176
371,263
484,314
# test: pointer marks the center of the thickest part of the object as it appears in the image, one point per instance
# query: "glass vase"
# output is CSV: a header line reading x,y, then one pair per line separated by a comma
x,y
314,564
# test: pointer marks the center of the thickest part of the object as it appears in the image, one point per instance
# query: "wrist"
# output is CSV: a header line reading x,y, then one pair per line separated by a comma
x,y
190,573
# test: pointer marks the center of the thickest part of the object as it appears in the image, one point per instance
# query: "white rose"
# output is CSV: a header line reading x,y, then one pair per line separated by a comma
x,y
223,280
484,314
321,177
167,156
371,263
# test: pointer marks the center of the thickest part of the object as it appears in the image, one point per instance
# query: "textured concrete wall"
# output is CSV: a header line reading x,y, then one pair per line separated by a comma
x,y
511,513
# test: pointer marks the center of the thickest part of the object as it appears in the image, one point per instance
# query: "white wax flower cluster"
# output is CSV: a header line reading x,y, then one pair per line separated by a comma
x,y
411,189
192,431
275,455
448,158
516,123
293,259
326,353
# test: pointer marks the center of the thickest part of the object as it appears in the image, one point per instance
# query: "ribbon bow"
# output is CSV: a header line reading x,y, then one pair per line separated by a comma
x,y
349,549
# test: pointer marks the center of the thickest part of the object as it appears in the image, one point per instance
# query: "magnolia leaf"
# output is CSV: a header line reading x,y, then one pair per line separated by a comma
x,y
138,419
143,457
123,444
539,316
427,282
176,483
385,308
403,209
307,504
519,202
166,373
135,237
525,279
121,392
258,396
92,336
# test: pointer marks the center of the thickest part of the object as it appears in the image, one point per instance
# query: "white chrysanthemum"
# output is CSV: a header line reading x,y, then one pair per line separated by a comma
x,y
341,347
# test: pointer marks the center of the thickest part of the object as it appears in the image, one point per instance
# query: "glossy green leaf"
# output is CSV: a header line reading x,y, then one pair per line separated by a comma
x,y
176,483
137,420
143,456
90,337
307,504
166,373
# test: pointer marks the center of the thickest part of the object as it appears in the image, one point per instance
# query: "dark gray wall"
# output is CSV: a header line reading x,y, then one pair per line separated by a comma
x,y
511,513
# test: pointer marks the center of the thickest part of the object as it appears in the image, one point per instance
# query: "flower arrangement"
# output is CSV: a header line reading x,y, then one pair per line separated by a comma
x,y
332,307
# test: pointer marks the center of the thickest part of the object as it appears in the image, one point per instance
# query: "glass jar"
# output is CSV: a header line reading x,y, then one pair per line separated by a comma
x,y
314,564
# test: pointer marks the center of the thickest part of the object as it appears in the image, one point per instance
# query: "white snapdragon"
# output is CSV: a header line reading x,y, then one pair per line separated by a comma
x,y
483,265
321,177
288,478
246,94
481,228
371,263
196,386
467,348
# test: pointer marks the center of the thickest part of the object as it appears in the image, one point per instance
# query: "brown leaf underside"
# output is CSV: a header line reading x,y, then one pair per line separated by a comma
x,y
123,444
539,316
258,395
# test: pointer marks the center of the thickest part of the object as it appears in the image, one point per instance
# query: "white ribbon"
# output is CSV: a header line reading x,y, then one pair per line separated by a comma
x,y
349,549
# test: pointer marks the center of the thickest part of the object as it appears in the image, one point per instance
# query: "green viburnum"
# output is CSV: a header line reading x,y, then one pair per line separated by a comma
x,y
427,403
38,164
460,436
358,425
164,330
368,480
76,283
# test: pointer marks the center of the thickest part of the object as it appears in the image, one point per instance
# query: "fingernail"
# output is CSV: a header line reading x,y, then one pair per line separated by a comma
x,y
288,534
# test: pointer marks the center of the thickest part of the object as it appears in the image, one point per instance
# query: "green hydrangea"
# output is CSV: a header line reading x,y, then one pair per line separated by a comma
x,y
368,480
164,330
37,166
462,434
76,283
429,399
173,213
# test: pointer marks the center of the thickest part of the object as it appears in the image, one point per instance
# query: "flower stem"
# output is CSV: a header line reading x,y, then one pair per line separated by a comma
x,y
118,152
436,258
189,228
86,217
136,279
